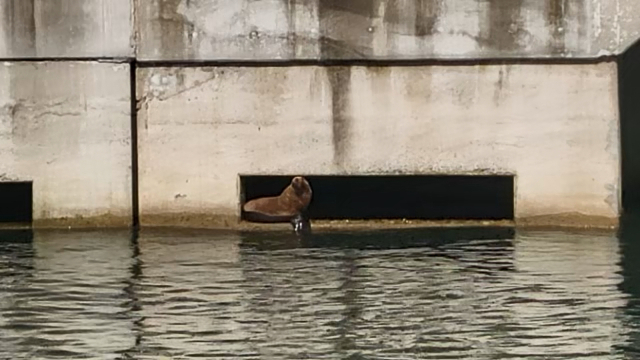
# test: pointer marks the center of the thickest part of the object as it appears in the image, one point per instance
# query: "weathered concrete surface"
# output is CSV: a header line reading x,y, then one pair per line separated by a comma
x,y
554,126
239,29
383,29
66,127
66,28
233,223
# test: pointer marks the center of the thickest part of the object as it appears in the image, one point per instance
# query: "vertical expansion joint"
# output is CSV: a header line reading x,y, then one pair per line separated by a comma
x,y
135,208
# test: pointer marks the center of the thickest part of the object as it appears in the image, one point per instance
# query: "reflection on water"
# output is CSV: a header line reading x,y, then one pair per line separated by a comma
x,y
63,295
463,293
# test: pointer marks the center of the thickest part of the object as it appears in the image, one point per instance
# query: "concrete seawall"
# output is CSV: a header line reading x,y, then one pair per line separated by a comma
x,y
66,29
383,29
66,127
557,132
224,88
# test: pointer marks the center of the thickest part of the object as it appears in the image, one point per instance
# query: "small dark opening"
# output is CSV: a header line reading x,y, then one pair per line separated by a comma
x,y
629,96
16,202
424,197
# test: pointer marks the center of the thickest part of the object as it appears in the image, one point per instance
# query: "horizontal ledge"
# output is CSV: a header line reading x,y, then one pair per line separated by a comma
x,y
443,173
376,62
562,222
84,222
565,221
325,62
15,226
117,60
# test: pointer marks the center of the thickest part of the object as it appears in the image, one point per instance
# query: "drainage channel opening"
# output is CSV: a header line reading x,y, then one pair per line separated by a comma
x,y
424,197
629,92
16,198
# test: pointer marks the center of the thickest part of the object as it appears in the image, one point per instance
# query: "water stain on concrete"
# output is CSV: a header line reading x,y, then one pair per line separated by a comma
x,y
359,7
569,220
81,222
463,94
418,18
380,79
582,12
340,82
195,220
291,9
20,27
556,11
419,87
334,42
67,19
500,85
427,13
505,24
171,26
338,49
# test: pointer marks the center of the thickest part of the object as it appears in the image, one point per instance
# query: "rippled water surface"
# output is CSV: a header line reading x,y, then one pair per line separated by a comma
x,y
403,294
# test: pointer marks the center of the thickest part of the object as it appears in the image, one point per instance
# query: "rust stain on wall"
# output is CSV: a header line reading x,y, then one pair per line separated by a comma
x,y
505,24
20,27
340,82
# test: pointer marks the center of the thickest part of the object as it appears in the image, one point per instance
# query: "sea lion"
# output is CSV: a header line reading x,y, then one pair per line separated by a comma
x,y
289,206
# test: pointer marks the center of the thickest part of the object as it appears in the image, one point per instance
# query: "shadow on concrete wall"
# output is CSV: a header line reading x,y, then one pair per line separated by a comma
x,y
396,197
629,95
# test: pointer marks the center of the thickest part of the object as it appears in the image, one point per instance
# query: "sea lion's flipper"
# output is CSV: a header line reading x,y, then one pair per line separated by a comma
x,y
301,224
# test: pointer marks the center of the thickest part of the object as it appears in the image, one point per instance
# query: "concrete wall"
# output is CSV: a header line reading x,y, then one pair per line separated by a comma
x,y
383,29
66,127
66,28
555,127
66,124
239,29
316,29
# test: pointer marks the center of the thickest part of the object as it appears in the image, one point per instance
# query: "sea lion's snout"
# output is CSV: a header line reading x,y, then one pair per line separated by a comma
x,y
298,184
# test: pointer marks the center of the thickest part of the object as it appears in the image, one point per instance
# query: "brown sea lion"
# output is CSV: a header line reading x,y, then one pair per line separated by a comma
x,y
289,206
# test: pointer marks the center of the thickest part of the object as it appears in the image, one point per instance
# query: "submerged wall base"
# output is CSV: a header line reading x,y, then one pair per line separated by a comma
x,y
567,221
84,222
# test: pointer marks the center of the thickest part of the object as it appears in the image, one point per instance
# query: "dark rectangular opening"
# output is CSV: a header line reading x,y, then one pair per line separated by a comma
x,y
628,95
424,197
16,202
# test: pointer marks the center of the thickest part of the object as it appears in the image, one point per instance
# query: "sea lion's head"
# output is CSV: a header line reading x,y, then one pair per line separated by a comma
x,y
300,185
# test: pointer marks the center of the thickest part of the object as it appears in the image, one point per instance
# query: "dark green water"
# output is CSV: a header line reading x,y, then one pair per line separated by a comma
x,y
412,294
